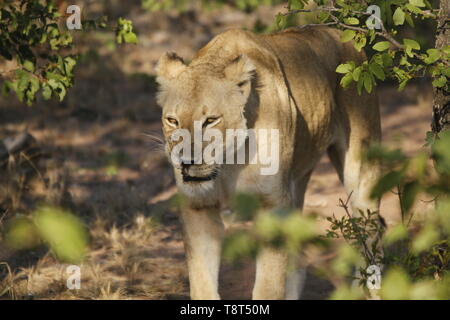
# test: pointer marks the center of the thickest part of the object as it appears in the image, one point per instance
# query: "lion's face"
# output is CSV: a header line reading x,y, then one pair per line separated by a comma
x,y
201,99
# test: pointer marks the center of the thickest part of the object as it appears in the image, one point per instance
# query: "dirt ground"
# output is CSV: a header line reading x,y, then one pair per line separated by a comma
x,y
102,159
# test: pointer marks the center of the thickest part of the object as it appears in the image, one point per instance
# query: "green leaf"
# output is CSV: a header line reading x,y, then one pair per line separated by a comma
x,y
410,191
440,82
46,92
360,85
386,183
347,35
267,226
441,152
356,73
399,17
413,9
6,88
381,46
62,92
378,152
344,292
425,239
424,290
53,76
239,245
446,72
377,70
246,206
446,49
346,258
395,285
21,233
395,234
367,82
296,4
360,42
58,88
298,229
387,60
417,3
124,31
69,64
34,86
28,65
403,84
409,20
433,56
351,21
344,68
130,37
346,80
63,232
443,211
411,43
281,21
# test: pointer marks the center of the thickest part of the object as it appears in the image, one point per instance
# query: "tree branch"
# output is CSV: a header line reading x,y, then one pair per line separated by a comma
x,y
383,33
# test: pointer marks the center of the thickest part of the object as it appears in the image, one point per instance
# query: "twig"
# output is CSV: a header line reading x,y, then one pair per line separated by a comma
x,y
400,199
370,257
384,33
323,9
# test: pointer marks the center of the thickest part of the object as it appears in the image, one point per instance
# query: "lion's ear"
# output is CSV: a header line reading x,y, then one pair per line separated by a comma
x,y
240,70
169,66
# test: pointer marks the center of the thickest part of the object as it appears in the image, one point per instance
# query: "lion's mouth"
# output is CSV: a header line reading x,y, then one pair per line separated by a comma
x,y
196,178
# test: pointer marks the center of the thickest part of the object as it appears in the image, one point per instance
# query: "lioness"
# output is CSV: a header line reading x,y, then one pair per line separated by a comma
x,y
285,81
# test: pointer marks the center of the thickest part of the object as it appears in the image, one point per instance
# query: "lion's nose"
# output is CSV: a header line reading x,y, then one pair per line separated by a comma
x,y
186,163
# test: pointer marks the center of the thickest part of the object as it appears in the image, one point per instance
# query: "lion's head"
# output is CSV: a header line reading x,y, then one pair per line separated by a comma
x,y
203,95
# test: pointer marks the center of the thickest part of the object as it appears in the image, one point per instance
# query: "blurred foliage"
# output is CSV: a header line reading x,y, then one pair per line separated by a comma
x,y
416,260
424,252
65,235
113,161
287,230
31,34
413,175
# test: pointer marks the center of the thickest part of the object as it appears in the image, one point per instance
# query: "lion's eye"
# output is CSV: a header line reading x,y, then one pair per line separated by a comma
x,y
172,121
210,120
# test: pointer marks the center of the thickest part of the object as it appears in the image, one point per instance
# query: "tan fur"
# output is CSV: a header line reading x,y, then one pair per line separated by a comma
x,y
285,81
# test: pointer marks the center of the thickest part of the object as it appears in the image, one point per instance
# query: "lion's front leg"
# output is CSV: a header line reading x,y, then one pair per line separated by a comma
x,y
203,233
271,272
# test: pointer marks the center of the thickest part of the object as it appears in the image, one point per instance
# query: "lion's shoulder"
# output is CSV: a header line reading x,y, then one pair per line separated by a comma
x,y
231,42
